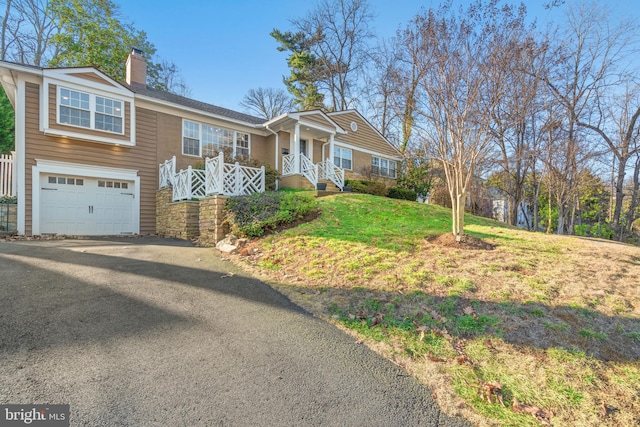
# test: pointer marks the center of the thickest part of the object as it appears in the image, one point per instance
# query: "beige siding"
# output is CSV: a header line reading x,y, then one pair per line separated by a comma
x,y
317,119
365,137
142,157
263,148
170,140
284,143
53,120
92,77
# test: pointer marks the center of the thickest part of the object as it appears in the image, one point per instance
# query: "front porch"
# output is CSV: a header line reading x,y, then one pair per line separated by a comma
x,y
305,174
306,158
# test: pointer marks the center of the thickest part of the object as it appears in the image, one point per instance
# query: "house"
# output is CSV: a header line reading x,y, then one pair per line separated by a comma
x,y
501,209
88,147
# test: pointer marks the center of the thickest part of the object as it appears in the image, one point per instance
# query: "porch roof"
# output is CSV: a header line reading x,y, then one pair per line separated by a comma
x,y
314,123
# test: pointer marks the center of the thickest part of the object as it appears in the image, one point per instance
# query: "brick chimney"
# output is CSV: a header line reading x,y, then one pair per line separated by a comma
x,y
136,68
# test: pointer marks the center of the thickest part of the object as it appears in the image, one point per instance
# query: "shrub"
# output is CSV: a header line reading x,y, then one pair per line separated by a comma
x,y
402,193
367,187
8,200
582,230
258,213
604,231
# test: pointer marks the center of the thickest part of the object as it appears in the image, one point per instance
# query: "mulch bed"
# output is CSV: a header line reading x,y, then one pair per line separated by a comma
x,y
468,242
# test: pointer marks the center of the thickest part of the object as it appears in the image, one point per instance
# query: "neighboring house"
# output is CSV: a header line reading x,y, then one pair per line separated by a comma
x,y
88,147
501,208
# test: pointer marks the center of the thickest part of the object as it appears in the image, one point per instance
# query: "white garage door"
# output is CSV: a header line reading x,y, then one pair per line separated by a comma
x,y
76,205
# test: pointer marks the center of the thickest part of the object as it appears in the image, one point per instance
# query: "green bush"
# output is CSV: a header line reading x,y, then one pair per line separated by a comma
x,y
258,213
604,231
402,194
367,187
8,200
582,230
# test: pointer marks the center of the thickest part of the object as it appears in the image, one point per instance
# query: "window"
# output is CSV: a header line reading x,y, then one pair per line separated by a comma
x,y
81,109
215,139
108,115
242,144
65,180
204,140
74,108
191,139
342,157
383,167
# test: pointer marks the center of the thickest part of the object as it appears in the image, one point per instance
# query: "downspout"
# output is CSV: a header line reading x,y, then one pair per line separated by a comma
x,y
277,144
324,145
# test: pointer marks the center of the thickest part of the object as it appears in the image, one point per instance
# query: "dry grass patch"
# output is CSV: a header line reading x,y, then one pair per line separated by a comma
x,y
550,325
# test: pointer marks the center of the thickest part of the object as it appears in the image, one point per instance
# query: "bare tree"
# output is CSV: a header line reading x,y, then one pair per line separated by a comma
x,y
456,67
165,75
27,31
515,90
341,29
267,103
380,89
588,66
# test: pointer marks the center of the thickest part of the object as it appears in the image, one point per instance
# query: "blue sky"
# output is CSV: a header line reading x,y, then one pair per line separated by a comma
x,y
223,47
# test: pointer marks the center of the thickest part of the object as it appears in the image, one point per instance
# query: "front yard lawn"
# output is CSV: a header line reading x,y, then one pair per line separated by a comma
x,y
512,328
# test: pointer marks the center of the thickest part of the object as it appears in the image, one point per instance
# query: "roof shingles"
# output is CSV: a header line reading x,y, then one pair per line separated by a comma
x,y
192,103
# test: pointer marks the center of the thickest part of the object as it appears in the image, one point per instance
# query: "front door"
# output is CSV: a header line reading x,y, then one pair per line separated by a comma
x,y
303,147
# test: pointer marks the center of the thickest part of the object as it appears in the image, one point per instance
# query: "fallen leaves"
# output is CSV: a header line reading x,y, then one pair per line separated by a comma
x,y
542,415
490,390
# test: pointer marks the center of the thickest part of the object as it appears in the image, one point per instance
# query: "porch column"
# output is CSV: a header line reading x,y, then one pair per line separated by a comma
x,y
331,148
296,148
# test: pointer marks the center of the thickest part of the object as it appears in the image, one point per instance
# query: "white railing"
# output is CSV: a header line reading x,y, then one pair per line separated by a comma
x,y
217,177
288,164
328,170
167,172
6,175
308,169
232,179
188,184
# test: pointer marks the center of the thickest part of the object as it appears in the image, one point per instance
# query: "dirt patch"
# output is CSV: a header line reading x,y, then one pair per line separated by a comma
x,y
468,242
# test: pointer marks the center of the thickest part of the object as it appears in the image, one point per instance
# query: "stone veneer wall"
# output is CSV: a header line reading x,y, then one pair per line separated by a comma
x,y
190,219
176,219
8,217
212,225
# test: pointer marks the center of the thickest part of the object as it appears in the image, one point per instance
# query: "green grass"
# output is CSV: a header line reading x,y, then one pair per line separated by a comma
x,y
465,308
381,222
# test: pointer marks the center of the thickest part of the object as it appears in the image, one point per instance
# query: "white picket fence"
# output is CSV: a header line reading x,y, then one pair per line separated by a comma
x,y
6,175
218,177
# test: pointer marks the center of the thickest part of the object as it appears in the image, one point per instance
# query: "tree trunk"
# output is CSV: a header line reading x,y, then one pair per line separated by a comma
x,y
619,192
549,219
3,34
635,197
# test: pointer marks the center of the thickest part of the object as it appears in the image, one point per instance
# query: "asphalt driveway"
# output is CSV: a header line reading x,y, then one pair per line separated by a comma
x,y
145,331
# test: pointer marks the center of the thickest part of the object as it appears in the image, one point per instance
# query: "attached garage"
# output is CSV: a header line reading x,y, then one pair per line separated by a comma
x,y
84,200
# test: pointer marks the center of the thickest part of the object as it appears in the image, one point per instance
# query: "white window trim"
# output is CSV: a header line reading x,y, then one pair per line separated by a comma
x,y
200,130
80,170
92,110
388,169
333,157
57,78
199,139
